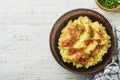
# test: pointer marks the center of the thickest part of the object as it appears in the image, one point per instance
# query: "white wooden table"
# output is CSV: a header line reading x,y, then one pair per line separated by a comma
x,y
24,38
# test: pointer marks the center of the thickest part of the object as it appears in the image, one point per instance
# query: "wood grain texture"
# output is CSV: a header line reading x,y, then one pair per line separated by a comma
x,y
24,38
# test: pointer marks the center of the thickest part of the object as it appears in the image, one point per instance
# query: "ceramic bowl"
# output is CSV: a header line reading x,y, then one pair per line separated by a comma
x,y
61,23
106,9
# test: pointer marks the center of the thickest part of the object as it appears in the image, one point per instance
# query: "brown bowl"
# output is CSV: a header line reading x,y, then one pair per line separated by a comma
x,y
61,23
106,9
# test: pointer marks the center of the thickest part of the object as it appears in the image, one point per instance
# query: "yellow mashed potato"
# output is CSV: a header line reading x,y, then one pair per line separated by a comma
x,y
83,42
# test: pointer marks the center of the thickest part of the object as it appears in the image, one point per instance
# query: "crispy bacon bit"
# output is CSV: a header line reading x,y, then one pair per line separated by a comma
x,y
70,44
92,53
78,56
72,33
82,51
87,42
98,48
82,61
100,44
71,30
82,28
65,42
90,30
72,50
74,36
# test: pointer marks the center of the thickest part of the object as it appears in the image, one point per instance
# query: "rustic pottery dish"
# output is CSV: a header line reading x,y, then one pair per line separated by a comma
x,y
61,23
107,9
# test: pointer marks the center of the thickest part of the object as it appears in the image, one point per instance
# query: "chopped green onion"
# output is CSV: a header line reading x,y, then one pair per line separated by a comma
x,y
77,30
97,40
109,3
87,55
92,34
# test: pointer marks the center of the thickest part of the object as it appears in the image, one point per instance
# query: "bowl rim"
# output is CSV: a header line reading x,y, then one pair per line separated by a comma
x,y
56,57
107,9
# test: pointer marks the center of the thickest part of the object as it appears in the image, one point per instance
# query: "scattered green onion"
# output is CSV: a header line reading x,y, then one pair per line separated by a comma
x,y
77,30
87,55
97,40
92,34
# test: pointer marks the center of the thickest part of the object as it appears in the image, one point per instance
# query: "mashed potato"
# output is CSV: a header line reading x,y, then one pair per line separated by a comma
x,y
83,42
